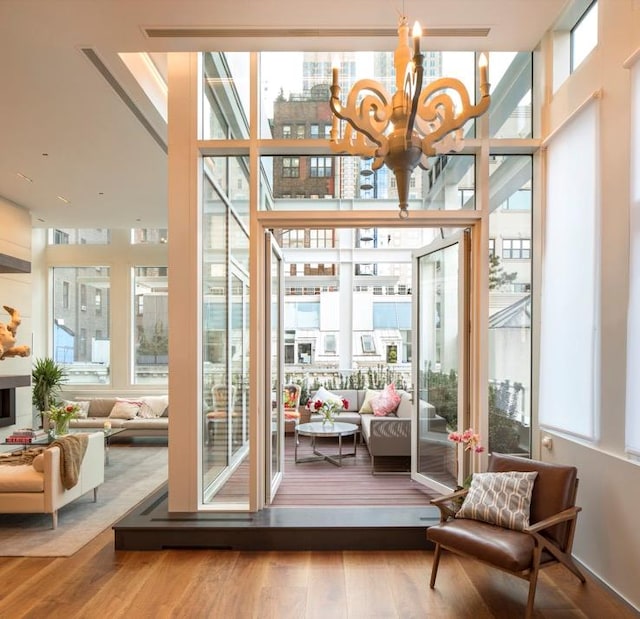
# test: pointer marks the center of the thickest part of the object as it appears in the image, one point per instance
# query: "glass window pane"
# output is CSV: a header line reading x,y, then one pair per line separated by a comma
x,y
151,324
335,183
584,36
510,305
295,85
79,236
225,96
149,236
81,328
511,77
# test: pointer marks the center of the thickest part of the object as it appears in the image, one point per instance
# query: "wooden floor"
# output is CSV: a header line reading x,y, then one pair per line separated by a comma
x,y
325,484
99,582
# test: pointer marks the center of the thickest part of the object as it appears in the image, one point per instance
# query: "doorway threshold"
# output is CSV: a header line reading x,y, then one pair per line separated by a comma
x,y
150,526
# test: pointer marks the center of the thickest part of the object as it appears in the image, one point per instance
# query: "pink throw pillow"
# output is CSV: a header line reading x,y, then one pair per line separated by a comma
x,y
386,401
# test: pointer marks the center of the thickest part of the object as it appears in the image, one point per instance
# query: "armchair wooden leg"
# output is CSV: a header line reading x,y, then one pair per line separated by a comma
x,y
95,494
54,519
434,567
533,581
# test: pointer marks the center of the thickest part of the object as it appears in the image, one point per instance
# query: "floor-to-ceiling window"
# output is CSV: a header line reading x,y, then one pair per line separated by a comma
x,y
297,183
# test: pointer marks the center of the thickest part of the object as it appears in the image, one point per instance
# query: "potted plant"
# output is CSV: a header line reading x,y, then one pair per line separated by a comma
x,y
47,378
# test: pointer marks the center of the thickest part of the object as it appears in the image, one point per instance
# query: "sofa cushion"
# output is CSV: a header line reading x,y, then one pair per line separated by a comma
x,y
500,498
153,406
386,402
157,423
324,395
20,478
96,422
100,407
125,409
369,394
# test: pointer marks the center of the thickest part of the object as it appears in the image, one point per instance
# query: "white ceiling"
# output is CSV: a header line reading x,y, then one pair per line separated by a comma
x,y
100,156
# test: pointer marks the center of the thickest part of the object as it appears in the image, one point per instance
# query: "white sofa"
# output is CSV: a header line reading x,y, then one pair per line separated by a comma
x,y
100,410
26,490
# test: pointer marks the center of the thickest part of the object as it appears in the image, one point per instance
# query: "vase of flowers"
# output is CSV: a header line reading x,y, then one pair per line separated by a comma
x,y
59,417
470,440
328,409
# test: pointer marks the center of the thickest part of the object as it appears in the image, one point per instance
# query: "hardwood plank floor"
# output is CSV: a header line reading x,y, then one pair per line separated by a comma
x,y
100,582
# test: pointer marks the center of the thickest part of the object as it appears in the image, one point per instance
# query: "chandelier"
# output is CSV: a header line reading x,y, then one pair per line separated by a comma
x,y
403,130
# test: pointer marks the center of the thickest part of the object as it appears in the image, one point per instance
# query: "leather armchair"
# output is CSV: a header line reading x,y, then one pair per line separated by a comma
x,y
546,541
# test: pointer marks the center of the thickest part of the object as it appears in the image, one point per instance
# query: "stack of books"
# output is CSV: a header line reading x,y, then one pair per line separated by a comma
x,y
26,436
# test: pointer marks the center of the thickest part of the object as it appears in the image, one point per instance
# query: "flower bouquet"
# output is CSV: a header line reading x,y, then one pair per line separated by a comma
x,y
60,416
471,441
327,408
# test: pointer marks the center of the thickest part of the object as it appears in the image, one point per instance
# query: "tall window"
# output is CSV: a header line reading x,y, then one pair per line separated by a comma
x,y
151,320
88,358
584,36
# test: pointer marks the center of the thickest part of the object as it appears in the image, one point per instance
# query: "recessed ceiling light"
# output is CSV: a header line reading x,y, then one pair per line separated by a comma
x,y
24,177
63,199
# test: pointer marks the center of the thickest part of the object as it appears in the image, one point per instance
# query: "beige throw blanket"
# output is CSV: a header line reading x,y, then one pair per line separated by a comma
x,y
72,450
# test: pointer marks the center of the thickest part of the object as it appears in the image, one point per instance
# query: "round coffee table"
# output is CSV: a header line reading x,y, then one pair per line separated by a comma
x,y
317,429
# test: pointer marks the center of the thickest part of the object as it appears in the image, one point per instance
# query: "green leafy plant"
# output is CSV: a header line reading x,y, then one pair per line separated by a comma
x,y
47,378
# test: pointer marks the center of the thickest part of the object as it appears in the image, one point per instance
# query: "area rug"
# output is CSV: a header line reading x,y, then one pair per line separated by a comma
x,y
134,471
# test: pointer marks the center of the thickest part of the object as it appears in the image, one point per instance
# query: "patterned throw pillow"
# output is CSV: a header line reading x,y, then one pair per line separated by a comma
x,y
386,402
500,498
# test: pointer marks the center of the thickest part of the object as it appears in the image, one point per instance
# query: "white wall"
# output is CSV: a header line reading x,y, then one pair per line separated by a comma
x,y
608,536
15,291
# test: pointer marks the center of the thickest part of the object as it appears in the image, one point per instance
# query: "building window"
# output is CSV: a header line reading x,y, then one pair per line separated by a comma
x,y
300,132
320,167
584,36
368,345
98,302
83,298
291,167
286,132
492,247
323,237
304,353
516,249
293,238
65,295
314,130
330,345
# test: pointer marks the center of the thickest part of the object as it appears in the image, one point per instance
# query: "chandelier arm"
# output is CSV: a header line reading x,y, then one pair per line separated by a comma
x,y
416,84
439,112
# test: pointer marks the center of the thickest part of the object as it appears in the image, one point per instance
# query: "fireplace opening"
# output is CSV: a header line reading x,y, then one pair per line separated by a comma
x,y
8,385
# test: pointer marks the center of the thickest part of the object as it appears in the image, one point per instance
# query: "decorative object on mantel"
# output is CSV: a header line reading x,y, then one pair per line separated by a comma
x,y
8,332
416,123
